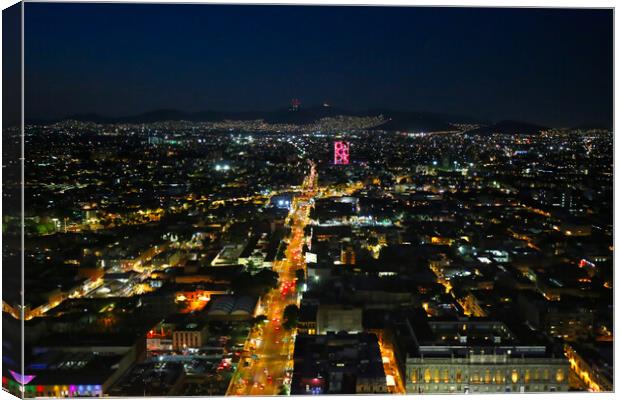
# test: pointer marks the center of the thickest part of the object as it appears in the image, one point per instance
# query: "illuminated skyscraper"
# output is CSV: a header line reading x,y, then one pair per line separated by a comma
x,y
341,153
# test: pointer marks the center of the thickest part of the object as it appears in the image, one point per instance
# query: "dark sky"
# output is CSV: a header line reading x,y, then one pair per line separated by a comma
x,y
546,66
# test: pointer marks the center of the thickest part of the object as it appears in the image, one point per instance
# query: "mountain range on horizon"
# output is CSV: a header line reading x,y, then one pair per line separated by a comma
x,y
397,120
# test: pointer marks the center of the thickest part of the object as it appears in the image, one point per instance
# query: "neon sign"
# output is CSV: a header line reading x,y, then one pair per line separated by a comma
x,y
21,379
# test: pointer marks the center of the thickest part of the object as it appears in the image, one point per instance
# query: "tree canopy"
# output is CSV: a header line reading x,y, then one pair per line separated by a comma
x,y
290,316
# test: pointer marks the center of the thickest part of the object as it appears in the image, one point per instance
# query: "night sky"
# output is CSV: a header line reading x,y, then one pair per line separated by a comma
x,y
553,67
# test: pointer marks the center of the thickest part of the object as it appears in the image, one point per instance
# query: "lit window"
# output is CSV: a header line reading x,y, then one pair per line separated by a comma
x,y
559,375
527,376
514,376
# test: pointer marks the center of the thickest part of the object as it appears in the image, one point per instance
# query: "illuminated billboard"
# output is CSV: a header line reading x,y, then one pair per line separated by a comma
x,y
341,153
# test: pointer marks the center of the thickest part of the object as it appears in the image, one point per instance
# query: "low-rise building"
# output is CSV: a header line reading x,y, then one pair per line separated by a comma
x,y
189,336
480,356
337,318
338,364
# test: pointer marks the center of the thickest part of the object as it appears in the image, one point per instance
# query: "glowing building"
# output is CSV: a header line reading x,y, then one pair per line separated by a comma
x,y
341,153
482,356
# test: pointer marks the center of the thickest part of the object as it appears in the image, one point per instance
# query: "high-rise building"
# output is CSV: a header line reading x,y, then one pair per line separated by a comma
x,y
341,153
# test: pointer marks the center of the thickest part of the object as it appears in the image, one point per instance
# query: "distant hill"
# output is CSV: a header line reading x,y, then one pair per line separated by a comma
x,y
151,116
278,116
304,115
509,127
414,121
586,127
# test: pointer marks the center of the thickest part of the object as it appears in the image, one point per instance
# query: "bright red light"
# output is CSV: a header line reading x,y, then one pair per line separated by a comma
x,y
585,263
341,153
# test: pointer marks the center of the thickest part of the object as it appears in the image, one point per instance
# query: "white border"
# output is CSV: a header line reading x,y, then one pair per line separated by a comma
x,y
466,3
449,3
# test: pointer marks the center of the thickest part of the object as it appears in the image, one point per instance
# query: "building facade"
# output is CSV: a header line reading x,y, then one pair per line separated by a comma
x,y
486,374
481,356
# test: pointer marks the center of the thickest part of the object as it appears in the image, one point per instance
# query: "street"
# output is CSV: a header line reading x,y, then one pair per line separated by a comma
x,y
266,364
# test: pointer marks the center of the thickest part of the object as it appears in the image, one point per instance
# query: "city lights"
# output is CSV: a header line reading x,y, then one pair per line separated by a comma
x,y
305,211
